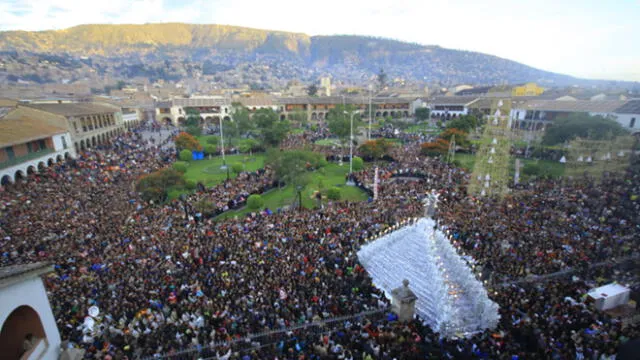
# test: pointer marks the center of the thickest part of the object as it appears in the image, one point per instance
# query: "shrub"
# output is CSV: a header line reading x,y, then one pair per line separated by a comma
x,y
210,149
237,168
358,163
334,193
213,140
255,202
322,162
190,184
186,155
247,145
181,166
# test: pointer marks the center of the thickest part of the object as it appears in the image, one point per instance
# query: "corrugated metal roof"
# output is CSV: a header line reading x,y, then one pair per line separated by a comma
x,y
630,107
570,106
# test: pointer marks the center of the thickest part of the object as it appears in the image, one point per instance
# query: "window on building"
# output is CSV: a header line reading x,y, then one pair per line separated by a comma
x,y
29,147
42,145
64,142
75,126
632,122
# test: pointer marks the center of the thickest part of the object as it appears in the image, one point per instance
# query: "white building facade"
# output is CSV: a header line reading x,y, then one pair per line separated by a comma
x,y
25,313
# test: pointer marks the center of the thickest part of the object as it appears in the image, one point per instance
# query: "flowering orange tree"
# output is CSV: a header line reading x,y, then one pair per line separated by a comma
x,y
187,141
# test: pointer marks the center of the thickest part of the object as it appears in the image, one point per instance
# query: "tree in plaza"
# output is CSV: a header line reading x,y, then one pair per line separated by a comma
x,y
312,90
422,113
193,118
461,137
339,121
155,186
187,141
242,119
375,149
466,123
292,167
581,125
438,147
299,117
231,132
272,129
248,145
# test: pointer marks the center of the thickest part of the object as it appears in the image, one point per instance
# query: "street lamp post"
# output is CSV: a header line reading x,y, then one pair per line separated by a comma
x,y
224,161
350,181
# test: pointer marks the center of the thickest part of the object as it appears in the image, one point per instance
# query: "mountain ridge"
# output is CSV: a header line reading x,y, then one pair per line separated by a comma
x,y
345,56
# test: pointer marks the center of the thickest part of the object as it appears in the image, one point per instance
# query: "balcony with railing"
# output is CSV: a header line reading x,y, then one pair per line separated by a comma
x,y
21,159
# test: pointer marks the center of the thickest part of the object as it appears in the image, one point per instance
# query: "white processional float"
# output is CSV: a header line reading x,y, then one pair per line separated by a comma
x,y
450,298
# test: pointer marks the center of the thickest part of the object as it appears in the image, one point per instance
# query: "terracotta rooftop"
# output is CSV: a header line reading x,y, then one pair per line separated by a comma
x,y
75,109
19,126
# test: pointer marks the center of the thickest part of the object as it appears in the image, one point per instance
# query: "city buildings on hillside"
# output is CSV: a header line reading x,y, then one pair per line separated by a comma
x,y
30,140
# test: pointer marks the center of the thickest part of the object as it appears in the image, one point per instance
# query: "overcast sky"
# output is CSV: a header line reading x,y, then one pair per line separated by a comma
x,y
587,38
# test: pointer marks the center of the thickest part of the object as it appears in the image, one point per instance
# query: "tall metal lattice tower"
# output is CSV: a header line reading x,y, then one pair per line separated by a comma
x,y
490,175
598,159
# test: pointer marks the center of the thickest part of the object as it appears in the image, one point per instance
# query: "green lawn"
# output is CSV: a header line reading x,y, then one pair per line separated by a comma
x,y
209,173
423,128
328,142
331,175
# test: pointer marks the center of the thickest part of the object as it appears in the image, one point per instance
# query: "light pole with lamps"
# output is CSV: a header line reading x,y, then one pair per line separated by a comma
x,y
224,161
350,181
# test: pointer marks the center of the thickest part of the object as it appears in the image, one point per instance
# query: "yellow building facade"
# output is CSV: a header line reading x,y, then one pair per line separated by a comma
x,y
528,89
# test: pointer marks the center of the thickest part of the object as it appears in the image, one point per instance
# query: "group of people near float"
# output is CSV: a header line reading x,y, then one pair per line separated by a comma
x,y
166,283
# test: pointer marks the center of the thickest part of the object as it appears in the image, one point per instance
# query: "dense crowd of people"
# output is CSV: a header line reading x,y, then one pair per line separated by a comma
x,y
165,281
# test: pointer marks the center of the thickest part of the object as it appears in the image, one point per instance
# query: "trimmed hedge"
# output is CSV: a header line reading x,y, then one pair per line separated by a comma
x,y
334,193
255,202
186,155
181,166
358,163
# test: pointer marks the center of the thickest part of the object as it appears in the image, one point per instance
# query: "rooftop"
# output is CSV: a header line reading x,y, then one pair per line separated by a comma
x,y
630,107
204,101
15,273
570,106
20,125
453,100
75,109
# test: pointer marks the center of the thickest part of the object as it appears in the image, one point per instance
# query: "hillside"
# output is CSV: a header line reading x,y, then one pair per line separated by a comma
x,y
293,54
